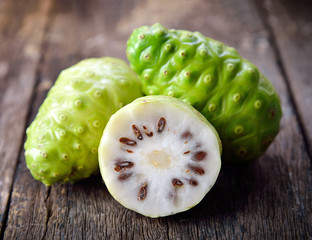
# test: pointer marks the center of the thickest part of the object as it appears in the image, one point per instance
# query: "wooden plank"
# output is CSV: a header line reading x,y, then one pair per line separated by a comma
x,y
291,23
267,199
20,50
250,201
85,209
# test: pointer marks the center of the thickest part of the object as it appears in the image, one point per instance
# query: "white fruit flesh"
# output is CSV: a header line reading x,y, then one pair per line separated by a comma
x,y
159,157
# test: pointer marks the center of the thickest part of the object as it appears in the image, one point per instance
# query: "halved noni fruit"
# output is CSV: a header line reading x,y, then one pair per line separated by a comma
x,y
159,156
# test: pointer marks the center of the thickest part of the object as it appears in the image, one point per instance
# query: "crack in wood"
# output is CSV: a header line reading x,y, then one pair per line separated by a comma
x,y
48,210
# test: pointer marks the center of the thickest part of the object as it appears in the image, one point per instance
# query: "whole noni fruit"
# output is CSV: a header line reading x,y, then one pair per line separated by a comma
x,y
238,100
62,141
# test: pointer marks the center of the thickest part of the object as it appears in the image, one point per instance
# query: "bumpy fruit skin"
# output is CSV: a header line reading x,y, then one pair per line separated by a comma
x,y
239,101
62,141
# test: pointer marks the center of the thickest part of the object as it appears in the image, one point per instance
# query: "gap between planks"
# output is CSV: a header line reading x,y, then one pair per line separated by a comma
x,y
49,212
264,17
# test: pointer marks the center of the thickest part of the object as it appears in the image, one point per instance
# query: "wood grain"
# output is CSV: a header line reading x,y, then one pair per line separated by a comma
x,y
291,24
20,50
269,198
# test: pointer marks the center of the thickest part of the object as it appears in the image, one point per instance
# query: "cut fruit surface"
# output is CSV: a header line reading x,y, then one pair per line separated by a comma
x,y
158,156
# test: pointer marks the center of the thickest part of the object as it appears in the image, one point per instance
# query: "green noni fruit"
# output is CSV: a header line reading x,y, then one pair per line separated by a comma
x,y
62,141
229,91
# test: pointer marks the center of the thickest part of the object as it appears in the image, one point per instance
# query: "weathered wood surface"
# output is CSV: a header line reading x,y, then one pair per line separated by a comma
x,y
20,53
291,25
270,198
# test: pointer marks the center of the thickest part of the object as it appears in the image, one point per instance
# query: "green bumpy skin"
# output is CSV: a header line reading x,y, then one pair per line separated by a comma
x,y
62,141
239,101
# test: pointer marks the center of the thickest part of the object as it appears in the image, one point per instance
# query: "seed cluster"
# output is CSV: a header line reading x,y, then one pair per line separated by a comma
x,y
125,167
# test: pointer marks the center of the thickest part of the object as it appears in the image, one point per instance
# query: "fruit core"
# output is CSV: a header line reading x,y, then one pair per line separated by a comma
x,y
159,159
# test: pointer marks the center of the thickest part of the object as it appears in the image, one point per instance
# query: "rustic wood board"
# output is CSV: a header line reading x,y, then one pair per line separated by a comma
x,y
20,53
267,199
291,24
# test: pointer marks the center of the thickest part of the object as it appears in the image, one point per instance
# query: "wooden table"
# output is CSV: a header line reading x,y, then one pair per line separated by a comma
x,y
270,198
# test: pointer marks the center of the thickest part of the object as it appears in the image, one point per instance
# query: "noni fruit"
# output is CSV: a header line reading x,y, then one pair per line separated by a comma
x,y
62,141
239,101
159,156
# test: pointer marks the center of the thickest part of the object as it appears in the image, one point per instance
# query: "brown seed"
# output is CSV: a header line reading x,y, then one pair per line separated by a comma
x,y
198,170
143,192
193,182
124,176
161,124
149,134
137,132
186,135
187,152
200,155
129,151
123,165
177,182
127,141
